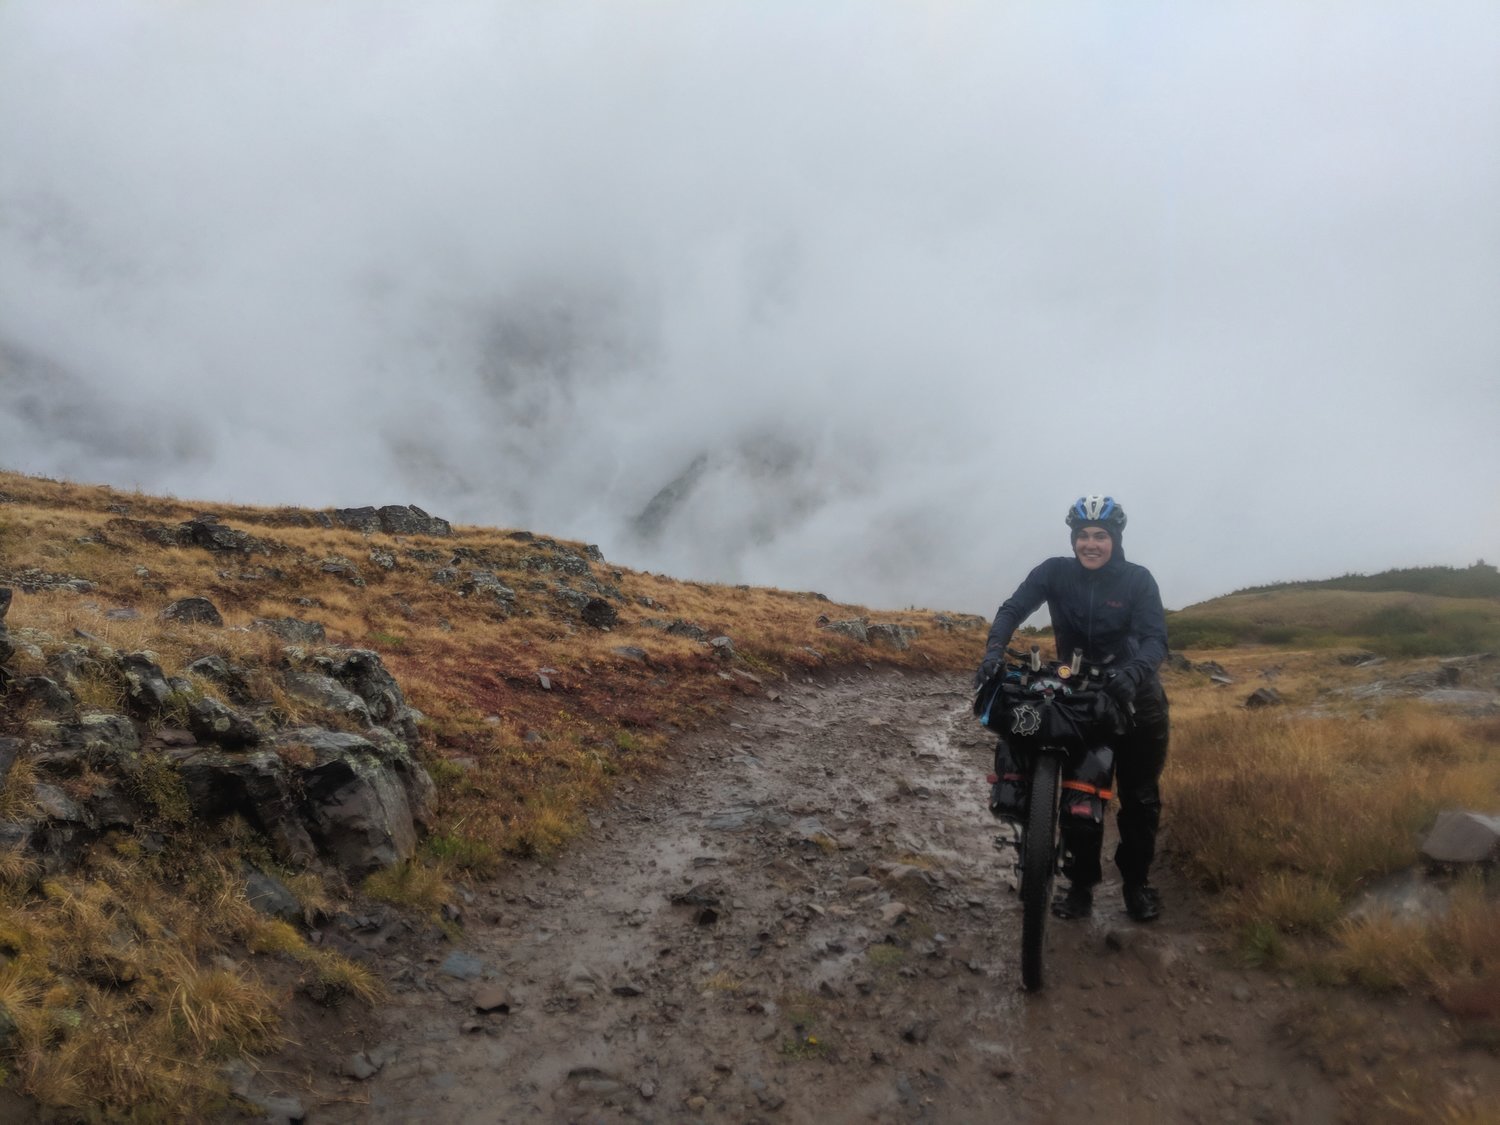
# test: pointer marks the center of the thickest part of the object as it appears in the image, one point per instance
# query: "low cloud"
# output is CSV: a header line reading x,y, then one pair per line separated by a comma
x,y
850,297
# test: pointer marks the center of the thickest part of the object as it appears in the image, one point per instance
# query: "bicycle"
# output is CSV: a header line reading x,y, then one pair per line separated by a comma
x,y
1052,761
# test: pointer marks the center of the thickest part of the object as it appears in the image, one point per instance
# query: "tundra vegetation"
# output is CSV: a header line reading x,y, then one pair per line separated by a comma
x,y
545,676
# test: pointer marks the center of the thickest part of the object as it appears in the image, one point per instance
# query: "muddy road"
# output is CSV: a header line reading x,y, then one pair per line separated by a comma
x,y
806,919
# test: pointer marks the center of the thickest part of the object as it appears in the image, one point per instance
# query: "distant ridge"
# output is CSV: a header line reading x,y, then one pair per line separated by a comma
x,y
1412,611
1481,580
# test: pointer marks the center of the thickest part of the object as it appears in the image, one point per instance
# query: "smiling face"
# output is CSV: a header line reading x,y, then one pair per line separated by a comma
x,y
1093,546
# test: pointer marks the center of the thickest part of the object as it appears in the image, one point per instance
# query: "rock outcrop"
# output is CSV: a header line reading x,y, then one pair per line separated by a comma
x,y
320,792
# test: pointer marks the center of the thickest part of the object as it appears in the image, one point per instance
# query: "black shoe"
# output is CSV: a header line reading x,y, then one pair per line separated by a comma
x,y
1142,902
1076,902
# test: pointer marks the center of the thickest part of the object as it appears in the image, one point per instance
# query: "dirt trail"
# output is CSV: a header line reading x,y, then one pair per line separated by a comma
x,y
807,920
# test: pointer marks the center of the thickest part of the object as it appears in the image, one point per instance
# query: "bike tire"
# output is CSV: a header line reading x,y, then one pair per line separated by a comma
x,y
1038,866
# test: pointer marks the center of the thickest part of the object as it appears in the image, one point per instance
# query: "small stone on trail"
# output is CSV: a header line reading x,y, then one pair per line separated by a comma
x,y
463,966
703,894
359,1067
647,1090
280,1110
892,912
492,998
917,1032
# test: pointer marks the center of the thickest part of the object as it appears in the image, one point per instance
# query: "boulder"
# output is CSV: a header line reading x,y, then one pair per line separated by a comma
x,y
68,662
270,896
340,567
482,583
145,683
293,630
112,808
858,628
207,532
256,785
573,599
393,519
328,694
193,611
44,696
98,741
408,519
365,799
1463,837
364,519
61,828
600,614
362,672
891,635
218,670
212,721
1176,662
1264,697
680,628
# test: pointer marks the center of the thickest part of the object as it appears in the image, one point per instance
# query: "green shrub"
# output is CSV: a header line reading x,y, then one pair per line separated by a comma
x,y
1204,632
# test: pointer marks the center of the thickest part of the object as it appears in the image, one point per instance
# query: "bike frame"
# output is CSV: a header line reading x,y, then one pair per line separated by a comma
x,y
1038,841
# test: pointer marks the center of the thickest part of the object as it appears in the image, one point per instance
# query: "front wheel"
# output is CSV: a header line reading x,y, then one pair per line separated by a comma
x,y
1038,865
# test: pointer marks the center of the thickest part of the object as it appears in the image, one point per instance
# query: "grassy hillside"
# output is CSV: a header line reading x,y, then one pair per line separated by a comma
x,y
1478,581
1350,612
126,982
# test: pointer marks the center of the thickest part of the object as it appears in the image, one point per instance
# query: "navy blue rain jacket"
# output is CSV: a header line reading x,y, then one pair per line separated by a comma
x,y
1113,611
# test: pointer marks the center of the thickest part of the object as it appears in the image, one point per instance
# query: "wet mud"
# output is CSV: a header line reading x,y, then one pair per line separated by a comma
x,y
807,918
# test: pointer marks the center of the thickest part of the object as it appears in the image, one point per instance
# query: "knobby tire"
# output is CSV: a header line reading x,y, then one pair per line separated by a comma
x,y
1038,866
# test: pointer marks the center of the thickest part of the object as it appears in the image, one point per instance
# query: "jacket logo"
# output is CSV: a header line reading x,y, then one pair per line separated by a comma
x,y
1115,605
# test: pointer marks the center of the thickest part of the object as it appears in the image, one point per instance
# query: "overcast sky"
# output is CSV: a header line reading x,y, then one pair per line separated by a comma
x,y
880,286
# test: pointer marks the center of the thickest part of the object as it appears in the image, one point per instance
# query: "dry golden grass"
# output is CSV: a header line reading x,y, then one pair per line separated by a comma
x,y
725,981
1289,816
418,886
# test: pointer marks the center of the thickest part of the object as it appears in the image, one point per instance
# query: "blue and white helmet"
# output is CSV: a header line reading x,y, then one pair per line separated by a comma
x,y
1101,510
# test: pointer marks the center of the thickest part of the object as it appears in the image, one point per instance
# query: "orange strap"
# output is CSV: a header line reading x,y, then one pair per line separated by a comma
x,y
1085,787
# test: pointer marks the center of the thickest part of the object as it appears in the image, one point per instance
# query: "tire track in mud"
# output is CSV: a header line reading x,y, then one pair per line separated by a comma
x,y
806,919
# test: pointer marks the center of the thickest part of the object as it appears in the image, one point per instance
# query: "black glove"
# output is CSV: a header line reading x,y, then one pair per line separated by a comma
x,y
987,668
1121,689
1112,703
1107,713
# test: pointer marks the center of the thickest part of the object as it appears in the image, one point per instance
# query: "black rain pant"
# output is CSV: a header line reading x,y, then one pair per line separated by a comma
x,y
1140,754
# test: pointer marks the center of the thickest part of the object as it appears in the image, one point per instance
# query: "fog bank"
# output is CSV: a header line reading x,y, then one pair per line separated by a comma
x,y
850,297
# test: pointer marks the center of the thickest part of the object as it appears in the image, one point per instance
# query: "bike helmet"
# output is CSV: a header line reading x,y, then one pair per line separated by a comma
x,y
1101,510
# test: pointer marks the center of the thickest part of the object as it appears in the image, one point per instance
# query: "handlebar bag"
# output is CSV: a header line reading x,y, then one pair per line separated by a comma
x,y
1030,720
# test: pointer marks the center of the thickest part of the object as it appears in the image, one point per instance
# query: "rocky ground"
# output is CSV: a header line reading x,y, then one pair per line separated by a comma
x,y
807,920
